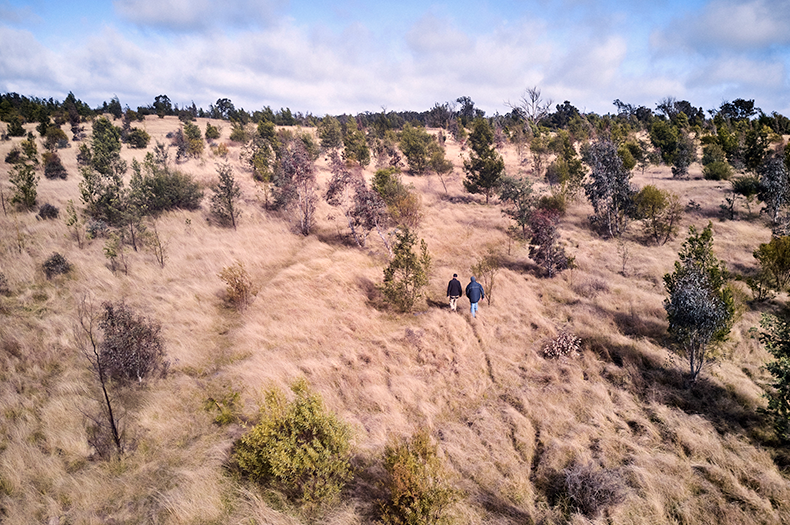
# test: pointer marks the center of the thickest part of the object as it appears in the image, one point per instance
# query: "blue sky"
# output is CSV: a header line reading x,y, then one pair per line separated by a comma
x,y
359,55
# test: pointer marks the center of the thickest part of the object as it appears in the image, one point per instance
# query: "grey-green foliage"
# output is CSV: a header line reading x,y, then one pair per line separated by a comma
x,y
776,338
225,197
701,306
25,182
298,447
609,190
774,187
407,273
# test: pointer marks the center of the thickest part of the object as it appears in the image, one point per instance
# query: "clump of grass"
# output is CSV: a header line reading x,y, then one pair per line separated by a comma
x,y
239,289
592,490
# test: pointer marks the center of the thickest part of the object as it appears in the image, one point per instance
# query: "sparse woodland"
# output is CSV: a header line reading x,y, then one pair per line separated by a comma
x,y
200,318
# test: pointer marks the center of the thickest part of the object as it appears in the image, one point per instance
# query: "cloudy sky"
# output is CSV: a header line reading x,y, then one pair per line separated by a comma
x,y
362,55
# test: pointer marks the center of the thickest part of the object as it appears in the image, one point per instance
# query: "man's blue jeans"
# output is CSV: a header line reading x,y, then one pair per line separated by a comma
x,y
474,309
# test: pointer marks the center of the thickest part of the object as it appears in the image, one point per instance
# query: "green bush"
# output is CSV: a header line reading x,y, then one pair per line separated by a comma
x,y
407,273
212,132
56,264
53,166
298,447
239,289
717,170
417,492
138,138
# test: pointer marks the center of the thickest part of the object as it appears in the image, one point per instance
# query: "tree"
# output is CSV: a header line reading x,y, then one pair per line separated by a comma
x,y
567,170
685,153
664,137
330,133
404,205
485,167
519,202
356,147
776,339
407,273
194,139
609,190
660,211
225,197
774,259
774,187
701,306
297,186
545,249
105,155
25,182
298,447
132,347
163,106
532,107
416,145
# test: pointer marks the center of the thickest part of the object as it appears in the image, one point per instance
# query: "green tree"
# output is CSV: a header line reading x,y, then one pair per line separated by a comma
x,y
485,167
297,447
664,137
225,197
355,146
25,182
701,305
518,201
105,152
416,145
212,132
776,339
194,139
330,133
407,273
774,259
660,211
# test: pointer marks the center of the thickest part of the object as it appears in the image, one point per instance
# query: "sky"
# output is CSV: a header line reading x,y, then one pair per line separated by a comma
x,y
350,56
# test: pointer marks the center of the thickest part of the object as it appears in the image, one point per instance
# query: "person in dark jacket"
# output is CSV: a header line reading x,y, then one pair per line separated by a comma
x,y
474,291
454,291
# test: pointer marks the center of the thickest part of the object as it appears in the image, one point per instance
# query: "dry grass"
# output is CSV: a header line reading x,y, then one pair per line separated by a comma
x,y
508,421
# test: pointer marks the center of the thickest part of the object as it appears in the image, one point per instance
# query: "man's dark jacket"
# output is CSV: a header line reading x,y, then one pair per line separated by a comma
x,y
474,291
454,288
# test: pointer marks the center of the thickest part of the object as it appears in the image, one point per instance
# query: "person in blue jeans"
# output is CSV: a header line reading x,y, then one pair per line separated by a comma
x,y
474,291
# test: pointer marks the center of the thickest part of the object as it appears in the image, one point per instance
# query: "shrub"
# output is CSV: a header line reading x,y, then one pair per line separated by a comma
x,y
545,249
416,486
592,490
53,167
660,211
224,201
239,289
56,265
14,156
5,288
225,405
132,346
212,132
25,183
776,338
48,211
297,447
238,133
564,345
156,188
138,138
717,170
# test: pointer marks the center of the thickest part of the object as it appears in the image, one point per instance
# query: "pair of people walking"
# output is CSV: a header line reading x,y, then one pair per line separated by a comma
x,y
474,291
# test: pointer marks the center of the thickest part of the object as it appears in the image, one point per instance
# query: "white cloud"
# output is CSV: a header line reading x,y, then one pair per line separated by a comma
x,y
197,15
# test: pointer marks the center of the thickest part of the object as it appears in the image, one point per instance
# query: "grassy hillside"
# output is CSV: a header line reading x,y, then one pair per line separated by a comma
x,y
509,422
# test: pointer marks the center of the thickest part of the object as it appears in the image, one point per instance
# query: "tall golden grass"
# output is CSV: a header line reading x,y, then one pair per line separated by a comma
x,y
508,421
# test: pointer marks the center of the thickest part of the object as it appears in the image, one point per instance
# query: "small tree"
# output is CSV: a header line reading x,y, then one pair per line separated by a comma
x,y
194,139
407,273
416,145
25,182
518,202
545,249
660,211
295,178
330,133
416,484
774,259
212,132
485,167
53,166
700,307
774,187
132,347
297,447
609,190
74,223
486,269
225,197
239,288
776,338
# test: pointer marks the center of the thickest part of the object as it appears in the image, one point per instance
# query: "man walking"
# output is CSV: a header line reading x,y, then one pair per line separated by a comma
x,y
454,291
474,291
